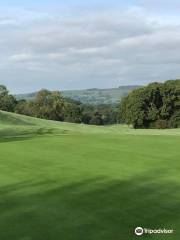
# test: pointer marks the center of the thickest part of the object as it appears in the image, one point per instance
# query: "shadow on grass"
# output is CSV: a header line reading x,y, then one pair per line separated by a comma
x,y
96,209
18,134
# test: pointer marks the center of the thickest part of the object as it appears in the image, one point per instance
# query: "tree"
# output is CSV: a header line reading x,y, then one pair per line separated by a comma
x,y
153,106
7,102
3,91
48,105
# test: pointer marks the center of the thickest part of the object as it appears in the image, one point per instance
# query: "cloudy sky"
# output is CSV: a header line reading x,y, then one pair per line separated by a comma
x,y
76,44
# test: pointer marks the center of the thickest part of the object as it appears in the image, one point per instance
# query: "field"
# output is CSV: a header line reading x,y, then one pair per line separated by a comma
x,y
61,181
92,96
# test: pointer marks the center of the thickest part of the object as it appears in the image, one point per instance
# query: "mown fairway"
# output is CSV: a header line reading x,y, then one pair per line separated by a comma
x,y
75,182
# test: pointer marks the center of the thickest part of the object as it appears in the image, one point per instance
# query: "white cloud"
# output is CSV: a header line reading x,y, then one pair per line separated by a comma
x,y
22,57
127,47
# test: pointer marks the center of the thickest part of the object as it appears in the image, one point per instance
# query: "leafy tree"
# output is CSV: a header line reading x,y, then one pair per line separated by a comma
x,y
3,91
153,106
7,102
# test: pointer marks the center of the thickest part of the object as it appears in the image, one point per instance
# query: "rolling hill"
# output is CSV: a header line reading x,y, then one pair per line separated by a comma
x,y
91,96
74,182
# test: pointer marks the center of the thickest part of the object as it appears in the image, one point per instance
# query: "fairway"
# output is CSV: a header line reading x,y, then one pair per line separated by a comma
x,y
61,181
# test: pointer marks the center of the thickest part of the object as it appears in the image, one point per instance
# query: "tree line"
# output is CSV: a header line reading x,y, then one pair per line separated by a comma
x,y
154,106
51,105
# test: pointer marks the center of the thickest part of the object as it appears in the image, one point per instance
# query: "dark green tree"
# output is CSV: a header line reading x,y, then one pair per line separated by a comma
x,y
154,106
7,102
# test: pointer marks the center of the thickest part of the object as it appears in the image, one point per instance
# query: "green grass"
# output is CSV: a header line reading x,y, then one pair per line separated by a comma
x,y
61,181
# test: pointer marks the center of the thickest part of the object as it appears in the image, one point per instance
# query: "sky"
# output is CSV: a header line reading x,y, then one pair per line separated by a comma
x,y
77,44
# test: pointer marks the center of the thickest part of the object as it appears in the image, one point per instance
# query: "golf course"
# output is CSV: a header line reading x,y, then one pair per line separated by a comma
x,y
65,181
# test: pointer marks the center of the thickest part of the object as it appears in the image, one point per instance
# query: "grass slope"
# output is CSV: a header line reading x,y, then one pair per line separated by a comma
x,y
75,182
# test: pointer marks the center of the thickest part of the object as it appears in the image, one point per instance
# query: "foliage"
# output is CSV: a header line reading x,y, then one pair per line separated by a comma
x,y
154,106
51,105
175,120
7,102
99,115
92,96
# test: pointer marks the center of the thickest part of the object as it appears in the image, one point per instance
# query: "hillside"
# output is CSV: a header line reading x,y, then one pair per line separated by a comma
x,y
73,181
23,125
91,96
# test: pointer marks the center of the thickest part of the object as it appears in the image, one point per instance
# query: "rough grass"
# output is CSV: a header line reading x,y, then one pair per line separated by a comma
x,y
61,181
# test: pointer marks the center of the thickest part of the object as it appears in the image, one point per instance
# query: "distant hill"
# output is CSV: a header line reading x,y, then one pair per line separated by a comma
x,y
93,96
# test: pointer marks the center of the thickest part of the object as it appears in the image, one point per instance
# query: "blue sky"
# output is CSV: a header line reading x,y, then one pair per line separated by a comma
x,y
76,44
49,2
